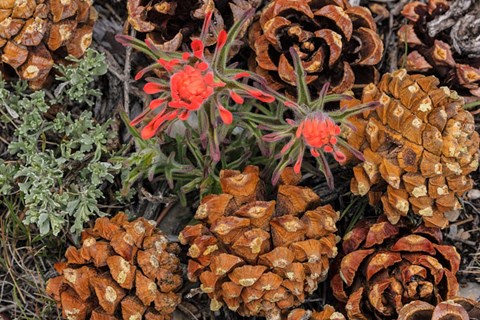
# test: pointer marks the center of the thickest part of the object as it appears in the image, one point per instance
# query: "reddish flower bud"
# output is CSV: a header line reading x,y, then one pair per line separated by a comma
x,y
197,47
152,88
184,115
152,127
298,164
236,97
141,73
221,39
155,103
168,65
241,75
260,95
226,115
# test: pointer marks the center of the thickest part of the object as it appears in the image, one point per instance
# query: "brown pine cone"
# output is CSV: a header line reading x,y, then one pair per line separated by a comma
x,y
124,270
457,308
35,34
386,266
328,313
436,46
259,257
336,42
169,23
419,148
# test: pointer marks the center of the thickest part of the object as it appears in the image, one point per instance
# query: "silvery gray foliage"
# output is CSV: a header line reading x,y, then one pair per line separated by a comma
x,y
77,78
58,164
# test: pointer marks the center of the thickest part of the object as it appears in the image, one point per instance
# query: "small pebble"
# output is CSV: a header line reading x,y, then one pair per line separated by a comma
x,y
473,194
452,215
470,290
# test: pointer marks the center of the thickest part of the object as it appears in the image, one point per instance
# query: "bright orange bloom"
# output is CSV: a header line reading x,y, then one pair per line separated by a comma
x,y
192,86
319,132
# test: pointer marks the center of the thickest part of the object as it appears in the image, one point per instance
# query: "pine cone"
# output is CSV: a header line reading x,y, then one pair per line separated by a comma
x,y
336,42
169,23
328,313
419,148
124,270
435,45
35,34
386,266
457,308
260,257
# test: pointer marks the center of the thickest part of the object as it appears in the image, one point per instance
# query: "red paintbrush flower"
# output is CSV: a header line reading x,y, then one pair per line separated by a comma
x,y
191,87
194,81
319,131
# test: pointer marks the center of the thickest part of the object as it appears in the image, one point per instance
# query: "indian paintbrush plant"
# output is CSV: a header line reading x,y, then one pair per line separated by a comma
x,y
312,127
191,83
220,106
195,96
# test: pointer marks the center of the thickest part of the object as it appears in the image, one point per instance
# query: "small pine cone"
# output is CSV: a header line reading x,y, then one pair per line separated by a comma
x,y
328,313
457,308
336,42
35,34
436,47
124,270
420,147
385,266
169,23
259,257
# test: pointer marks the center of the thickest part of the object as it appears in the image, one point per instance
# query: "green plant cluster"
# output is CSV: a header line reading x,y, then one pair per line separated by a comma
x,y
180,160
76,78
57,164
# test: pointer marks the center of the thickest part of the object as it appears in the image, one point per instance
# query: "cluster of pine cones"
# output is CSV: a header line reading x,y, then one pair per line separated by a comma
x,y
261,250
261,255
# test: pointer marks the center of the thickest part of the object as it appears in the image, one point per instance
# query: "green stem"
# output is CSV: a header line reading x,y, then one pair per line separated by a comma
x,y
9,119
471,105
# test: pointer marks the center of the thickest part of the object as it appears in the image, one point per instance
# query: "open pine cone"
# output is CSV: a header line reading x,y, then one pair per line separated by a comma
x,y
124,270
328,313
457,309
259,257
35,34
437,44
419,147
169,23
336,42
386,266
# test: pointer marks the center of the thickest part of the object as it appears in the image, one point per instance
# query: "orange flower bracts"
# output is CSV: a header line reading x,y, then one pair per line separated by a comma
x,y
320,132
190,81
259,256
190,87
386,266
123,270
